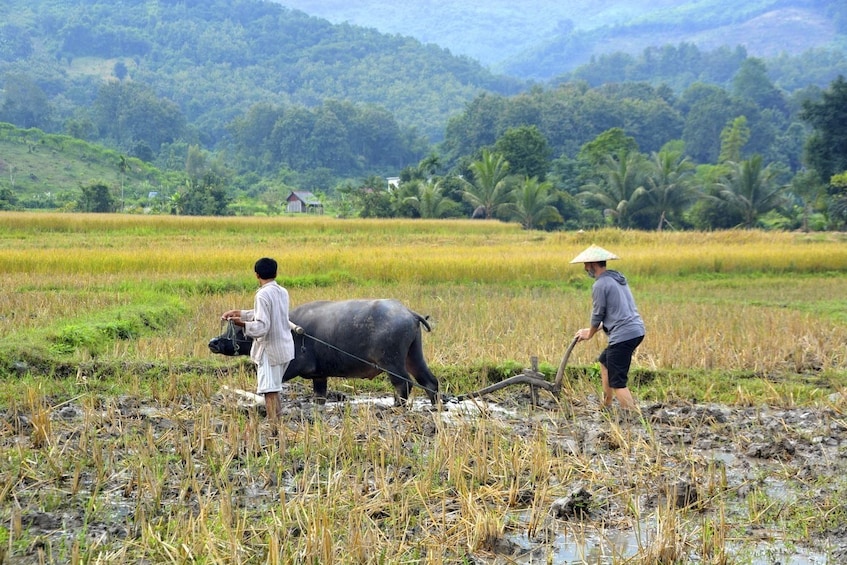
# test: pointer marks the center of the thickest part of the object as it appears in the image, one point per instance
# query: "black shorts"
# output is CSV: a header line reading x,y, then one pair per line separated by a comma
x,y
617,358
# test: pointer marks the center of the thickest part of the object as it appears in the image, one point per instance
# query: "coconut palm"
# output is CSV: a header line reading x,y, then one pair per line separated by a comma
x,y
123,167
489,189
429,166
667,182
620,185
751,189
430,202
533,204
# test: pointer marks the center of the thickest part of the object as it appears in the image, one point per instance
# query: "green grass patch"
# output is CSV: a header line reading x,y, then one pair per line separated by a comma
x,y
148,313
732,387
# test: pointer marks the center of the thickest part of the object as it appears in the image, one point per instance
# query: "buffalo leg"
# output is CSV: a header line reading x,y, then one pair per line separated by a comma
x,y
319,388
402,388
428,381
417,366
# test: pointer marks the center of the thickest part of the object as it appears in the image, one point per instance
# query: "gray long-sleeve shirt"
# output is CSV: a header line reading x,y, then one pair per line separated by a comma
x,y
614,306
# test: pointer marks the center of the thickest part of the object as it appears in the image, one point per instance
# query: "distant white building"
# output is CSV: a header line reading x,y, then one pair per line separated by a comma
x,y
393,182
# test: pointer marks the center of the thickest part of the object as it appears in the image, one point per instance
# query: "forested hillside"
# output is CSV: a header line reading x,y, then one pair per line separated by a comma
x,y
549,38
215,58
226,106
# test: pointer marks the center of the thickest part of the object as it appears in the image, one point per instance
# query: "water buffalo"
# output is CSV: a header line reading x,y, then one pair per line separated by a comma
x,y
352,338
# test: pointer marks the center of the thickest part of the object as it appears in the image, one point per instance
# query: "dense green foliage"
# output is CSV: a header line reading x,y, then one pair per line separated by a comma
x,y
236,104
681,65
629,150
828,145
214,59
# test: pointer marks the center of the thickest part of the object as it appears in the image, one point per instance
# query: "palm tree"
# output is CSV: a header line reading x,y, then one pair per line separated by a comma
x,y
429,166
533,203
177,202
807,189
430,201
668,187
838,202
750,189
489,189
620,186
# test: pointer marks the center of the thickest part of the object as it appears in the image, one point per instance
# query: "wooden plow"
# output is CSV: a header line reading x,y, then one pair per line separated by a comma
x,y
531,377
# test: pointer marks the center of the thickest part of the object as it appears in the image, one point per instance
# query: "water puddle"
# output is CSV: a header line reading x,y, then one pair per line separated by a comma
x,y
455,412
615,546
566,548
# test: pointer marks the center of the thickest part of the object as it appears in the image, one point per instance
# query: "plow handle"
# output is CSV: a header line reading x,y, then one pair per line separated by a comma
x,y
560,374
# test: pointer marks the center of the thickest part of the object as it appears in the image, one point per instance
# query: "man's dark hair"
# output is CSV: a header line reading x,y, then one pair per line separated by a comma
x,y
602,264
265,268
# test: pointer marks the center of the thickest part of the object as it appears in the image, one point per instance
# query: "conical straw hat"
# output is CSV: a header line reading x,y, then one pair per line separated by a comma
x,y
594,254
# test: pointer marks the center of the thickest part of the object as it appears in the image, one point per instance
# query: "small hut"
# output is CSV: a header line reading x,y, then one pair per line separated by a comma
x,y
304,202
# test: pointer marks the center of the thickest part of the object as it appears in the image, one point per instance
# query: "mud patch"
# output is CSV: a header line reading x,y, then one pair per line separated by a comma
x,y
109,471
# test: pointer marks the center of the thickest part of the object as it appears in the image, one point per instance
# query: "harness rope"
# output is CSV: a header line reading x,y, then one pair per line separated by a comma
x,y
301,332
531,380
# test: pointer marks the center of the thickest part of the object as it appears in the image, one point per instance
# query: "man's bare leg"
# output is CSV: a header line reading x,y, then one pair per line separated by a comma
x,y
625,399
607,390
272,406
624,396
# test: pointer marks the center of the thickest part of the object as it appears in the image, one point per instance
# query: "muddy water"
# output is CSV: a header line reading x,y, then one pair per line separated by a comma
x,y
766,458
784,455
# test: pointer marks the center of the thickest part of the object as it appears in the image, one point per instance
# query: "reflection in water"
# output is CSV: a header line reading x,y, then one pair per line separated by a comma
x,y
610,547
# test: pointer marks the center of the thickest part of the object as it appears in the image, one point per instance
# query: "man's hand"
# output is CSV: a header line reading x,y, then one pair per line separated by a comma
x,y
585,334
233,316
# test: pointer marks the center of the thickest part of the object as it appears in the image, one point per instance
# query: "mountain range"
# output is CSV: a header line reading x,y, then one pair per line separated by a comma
x,y
421,60
546,38
253,96
279,88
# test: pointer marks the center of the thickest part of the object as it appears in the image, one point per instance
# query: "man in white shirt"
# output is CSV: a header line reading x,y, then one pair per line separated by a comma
x,y
267,323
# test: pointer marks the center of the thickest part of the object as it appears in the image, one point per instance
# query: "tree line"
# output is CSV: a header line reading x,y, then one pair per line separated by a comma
x,y
784,167
592,146
541,158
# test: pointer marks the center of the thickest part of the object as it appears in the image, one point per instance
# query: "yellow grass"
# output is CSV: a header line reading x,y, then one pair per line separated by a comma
x,y
750,302
193,478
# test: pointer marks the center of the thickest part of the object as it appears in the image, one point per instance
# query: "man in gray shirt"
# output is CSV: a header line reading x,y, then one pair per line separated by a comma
x,y
613,309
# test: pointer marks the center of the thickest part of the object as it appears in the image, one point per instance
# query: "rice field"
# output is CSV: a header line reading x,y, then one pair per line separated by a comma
x,y
753,303
113,415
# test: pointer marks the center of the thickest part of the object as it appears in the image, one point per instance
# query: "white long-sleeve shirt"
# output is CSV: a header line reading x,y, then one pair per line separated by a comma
x,y
267,323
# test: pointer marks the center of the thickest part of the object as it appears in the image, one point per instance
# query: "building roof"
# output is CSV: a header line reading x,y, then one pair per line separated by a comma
x,y
306,197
